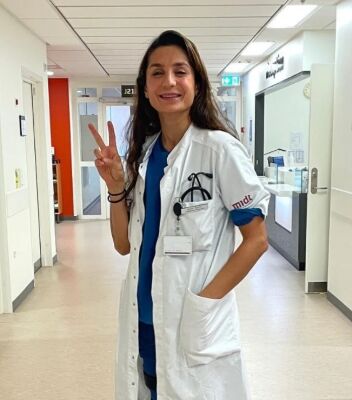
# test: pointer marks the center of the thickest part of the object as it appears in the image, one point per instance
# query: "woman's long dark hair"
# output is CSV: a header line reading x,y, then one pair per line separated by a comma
x,y
145,121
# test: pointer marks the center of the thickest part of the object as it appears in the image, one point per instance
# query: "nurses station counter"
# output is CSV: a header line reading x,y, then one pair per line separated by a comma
x,y
286,222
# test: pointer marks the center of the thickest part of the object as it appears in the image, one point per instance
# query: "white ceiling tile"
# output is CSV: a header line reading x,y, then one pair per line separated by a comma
x,y
140,53
133,31
134,3
165,23
30,8
138,39
61,40
143,47
118,46
78,46
184,11
49,27
220,39
277,35
322,18
124,59
331,26
119,31
81,55
317,2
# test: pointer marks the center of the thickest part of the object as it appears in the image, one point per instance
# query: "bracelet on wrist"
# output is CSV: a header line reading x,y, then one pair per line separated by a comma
x,y
117,201
117,194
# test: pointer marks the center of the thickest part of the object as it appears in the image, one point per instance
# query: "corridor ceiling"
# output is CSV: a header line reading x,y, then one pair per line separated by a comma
x,y
102,38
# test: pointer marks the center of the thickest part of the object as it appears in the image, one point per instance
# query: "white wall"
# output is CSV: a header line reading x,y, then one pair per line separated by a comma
x,y
286,111
23,55
340,248
299,54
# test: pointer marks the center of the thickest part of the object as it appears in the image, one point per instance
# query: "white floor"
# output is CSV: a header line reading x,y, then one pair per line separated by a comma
x,y
59,345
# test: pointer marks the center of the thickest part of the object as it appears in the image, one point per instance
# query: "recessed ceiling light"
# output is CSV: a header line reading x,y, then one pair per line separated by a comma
x,y
257,48
290,16
50,73
236,67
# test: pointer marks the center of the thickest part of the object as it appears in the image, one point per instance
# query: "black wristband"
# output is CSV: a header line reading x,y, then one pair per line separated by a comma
x,y
117,194
117,201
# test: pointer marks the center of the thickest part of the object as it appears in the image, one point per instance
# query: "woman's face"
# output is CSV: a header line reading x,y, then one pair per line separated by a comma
x,y
170,84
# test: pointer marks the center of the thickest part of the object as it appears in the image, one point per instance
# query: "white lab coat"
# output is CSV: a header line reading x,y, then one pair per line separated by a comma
x,y
197,339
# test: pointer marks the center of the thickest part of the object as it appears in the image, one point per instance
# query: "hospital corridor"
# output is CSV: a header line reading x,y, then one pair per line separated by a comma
x,y
175,200
60,342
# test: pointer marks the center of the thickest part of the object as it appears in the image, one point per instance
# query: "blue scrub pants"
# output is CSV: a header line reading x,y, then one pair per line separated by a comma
x,y
147,351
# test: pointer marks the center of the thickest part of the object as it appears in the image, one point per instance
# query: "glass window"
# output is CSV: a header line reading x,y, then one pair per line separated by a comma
x,y
227,91
120,116
228,110
88,113
86,92
114,92
91,198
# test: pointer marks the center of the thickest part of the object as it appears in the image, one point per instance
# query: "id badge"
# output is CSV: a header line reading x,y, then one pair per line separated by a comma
x,y
177,245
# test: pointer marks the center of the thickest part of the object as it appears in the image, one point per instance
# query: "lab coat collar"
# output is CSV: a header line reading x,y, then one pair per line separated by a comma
x,y
149,145
182,144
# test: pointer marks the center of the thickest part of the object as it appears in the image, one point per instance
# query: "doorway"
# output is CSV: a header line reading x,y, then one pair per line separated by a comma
x,y
32,179
94,204
295,138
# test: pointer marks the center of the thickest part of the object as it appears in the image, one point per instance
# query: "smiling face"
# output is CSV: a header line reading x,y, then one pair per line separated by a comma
x,y
170,84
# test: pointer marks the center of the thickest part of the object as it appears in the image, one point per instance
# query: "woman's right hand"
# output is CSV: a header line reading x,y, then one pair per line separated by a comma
x,y
108,161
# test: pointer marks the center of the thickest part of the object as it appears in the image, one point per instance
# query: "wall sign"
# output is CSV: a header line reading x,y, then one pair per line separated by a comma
x,y
128,90
275,67
230,80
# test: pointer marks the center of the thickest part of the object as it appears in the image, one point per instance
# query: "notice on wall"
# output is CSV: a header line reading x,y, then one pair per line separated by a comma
x,y
296,141
296,145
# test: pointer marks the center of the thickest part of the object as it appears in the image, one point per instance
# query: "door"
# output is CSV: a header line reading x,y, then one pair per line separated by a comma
x,y
32,173
318,203
119,115
92,187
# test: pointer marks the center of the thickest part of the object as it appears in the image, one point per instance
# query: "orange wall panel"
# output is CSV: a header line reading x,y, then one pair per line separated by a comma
x,y
61,137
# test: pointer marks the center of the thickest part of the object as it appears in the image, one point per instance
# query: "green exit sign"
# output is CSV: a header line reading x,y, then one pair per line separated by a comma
x,y
230,80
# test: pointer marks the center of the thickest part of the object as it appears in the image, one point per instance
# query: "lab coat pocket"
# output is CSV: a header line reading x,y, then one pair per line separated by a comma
x,y
197,221
209,328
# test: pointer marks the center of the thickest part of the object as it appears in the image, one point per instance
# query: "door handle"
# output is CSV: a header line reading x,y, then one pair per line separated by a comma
x,y
314,182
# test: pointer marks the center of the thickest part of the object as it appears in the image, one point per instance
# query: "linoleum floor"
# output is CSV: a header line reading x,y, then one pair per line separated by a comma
x,y
60,343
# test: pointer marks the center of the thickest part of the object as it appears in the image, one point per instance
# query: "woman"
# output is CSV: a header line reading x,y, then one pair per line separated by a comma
x,y
187,183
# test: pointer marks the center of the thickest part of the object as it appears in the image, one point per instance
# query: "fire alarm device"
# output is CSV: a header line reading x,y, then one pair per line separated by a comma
x,y
22,120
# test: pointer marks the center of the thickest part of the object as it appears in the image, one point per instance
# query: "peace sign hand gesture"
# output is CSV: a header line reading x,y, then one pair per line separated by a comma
x,y
108,161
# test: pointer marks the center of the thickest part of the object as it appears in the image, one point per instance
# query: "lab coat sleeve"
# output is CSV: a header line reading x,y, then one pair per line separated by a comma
x,y
238,184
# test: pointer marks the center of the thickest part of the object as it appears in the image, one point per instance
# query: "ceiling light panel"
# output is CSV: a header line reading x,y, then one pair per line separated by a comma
x,y
236,67
290,16
257,48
